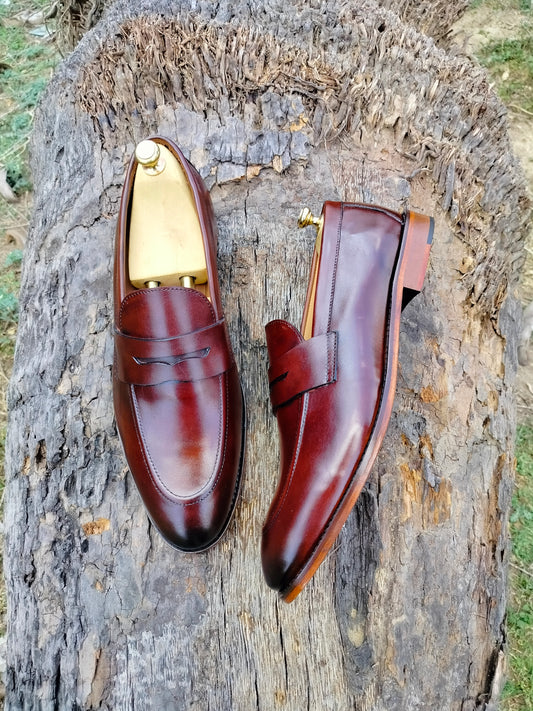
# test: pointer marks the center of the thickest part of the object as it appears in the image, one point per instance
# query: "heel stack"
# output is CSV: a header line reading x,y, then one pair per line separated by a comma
x,y
418,239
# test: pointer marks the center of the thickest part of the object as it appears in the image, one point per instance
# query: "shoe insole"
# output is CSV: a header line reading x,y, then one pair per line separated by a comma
x,y
309,308
165,237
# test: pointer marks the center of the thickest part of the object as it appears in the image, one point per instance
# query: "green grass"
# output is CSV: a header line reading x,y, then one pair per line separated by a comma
x,y
511,63
26,65
510,5
518,692
510,59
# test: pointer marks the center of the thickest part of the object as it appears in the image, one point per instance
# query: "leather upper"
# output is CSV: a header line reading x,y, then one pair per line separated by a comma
x,y
177,396
326,391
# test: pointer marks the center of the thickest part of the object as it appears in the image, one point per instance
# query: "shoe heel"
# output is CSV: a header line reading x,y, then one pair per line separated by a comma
x,y
418,239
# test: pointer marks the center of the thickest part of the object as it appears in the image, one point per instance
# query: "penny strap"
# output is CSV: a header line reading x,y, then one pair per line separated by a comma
x,y
191,356
308,365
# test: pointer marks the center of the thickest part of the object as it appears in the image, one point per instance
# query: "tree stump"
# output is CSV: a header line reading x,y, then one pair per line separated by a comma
x,y
408,610
433,17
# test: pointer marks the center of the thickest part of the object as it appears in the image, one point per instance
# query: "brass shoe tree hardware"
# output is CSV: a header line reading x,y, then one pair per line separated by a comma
x,y
148,154
187,281
306,218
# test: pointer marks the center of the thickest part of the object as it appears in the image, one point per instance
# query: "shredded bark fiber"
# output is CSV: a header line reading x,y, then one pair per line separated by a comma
x,y
74,18
380,78
433,17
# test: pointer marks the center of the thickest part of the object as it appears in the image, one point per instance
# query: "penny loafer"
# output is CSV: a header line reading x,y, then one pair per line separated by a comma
x,y
177,396
332,383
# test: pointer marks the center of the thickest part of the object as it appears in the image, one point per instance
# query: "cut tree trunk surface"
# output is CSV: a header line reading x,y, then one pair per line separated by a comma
x,y
408,610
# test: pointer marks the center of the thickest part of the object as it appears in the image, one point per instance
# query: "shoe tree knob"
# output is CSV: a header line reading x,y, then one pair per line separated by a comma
x,y
148,154
306,218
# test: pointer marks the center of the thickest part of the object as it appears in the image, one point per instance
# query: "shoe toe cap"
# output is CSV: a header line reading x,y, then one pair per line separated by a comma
x,y
277,560
193,525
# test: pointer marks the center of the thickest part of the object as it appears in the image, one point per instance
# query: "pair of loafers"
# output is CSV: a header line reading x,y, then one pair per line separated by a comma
x,y
177,397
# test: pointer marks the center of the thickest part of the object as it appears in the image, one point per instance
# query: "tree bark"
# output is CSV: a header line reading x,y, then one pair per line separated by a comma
x,y
433,17
408,610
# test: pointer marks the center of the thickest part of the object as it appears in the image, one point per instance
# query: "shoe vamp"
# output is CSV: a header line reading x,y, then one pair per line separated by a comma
x,y
181,425
329,451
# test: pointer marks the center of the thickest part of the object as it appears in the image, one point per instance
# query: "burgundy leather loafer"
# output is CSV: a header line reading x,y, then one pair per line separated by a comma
x,y
332,384
177,396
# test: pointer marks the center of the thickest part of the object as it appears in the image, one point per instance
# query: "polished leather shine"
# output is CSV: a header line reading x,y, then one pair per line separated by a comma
x,y
177,396
332,394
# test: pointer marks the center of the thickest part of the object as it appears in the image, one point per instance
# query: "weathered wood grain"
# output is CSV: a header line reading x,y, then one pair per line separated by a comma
x,y
408,610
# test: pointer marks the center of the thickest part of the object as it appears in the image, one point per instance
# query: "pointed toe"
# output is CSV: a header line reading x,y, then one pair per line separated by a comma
x,y
274,563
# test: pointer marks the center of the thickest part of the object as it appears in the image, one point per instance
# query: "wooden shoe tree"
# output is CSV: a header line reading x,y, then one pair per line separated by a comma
x,y
166,247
